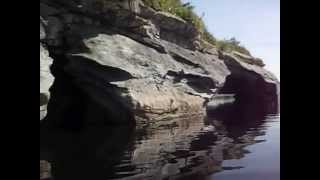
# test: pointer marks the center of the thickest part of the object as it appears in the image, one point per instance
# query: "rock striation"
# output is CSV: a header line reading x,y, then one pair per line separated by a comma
x,y
119,63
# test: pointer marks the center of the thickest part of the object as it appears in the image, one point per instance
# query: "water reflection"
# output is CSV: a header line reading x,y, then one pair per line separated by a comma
x,y
186,148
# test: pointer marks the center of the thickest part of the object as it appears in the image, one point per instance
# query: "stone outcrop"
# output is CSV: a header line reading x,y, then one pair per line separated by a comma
x,y
45,170
248,81
116,63
249,59
46,78
107,62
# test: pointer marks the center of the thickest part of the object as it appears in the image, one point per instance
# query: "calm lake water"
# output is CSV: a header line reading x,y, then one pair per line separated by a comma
x,y
237,142
263,163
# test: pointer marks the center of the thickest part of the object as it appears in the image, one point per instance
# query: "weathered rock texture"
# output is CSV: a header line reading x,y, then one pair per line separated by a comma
x,y
115,63
46,78
45,170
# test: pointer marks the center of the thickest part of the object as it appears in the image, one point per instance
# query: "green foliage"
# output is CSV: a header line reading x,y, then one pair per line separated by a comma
x,y
176,7
242,50
207,36
186,12
231,45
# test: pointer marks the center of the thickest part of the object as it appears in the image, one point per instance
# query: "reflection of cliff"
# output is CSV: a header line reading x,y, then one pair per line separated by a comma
x,y
87,155
241,116
187,148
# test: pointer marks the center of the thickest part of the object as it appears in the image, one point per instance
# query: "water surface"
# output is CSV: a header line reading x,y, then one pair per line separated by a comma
x,y
263,163
234,142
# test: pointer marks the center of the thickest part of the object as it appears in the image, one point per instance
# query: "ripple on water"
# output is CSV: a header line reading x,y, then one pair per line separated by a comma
x,y
233,143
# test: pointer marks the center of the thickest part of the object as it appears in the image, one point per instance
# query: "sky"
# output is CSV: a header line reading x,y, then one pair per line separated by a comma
x,y
255,23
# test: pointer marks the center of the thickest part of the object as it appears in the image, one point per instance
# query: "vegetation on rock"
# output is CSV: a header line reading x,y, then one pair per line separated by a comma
x,y
231,45
186,12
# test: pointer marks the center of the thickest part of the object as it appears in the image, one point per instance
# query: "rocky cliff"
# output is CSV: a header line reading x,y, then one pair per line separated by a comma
x,y
105,62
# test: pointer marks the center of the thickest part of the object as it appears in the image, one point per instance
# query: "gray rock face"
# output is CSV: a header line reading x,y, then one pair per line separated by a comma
x,y
45,170
153,82
46,78
42,30
249,59
176,30
248,81
124,66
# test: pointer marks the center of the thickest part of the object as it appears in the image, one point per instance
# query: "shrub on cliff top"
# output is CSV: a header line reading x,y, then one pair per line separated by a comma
x,y
207,36
231,45
186,12
176,7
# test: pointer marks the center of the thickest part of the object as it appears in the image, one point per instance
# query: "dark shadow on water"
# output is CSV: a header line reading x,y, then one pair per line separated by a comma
x,y
242,116
232,168
90,154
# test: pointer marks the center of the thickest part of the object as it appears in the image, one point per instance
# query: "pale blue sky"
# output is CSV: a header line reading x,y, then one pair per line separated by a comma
x,y
255,23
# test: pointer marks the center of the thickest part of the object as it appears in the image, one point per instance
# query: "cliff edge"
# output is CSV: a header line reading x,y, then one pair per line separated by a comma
x,y
105,62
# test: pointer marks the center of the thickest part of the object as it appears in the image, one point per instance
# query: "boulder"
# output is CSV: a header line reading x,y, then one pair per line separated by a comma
x,y
136,67
45,170
46,80
249,59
